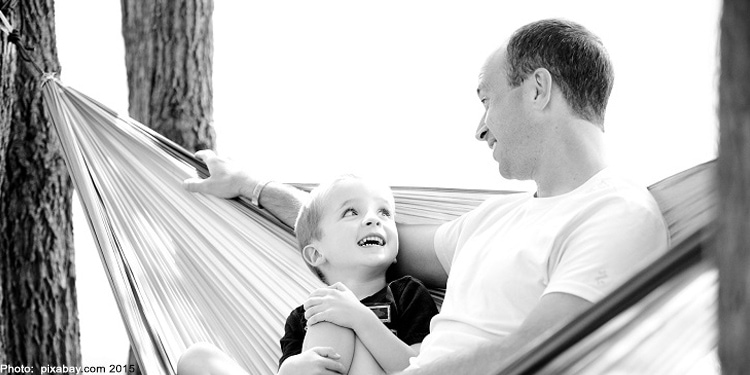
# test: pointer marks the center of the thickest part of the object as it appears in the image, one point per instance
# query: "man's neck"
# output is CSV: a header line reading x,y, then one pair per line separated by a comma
x,y
576,155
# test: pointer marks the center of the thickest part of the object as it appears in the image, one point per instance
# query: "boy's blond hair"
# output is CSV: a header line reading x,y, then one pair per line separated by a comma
x,y
307,226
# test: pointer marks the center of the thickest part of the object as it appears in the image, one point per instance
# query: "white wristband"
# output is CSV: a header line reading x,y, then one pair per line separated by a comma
x,y
255,196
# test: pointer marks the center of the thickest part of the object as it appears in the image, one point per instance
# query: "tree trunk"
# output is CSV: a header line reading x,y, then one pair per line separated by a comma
x,y
169,61
39,323
734,189
7,100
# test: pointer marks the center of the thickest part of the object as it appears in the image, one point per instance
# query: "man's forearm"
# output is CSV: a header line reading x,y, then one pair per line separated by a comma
x,y
281,200
553,312
487,359
465,362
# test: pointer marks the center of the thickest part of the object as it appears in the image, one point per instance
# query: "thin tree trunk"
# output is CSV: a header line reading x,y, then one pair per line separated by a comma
x,y
39,309
169,61
734,188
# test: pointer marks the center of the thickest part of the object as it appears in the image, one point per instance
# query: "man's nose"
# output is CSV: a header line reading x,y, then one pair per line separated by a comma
x,y
482,130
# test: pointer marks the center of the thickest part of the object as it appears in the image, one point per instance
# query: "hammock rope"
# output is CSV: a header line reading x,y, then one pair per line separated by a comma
x,y
187,267
14,37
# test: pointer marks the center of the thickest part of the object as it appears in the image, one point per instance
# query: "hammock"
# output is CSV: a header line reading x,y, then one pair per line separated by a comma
x,y
187,267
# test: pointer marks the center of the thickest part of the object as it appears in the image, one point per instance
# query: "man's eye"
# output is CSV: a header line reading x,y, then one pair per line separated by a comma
x,y
349,212
485,102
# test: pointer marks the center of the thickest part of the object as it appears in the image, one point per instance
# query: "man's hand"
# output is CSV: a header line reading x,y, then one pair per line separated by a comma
x,y
226,180
314,361
336,304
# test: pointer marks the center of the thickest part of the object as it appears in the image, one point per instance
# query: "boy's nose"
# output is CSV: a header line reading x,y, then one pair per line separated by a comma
x,y
371,220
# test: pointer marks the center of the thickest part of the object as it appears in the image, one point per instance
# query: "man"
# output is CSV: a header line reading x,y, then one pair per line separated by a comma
x,y
522,264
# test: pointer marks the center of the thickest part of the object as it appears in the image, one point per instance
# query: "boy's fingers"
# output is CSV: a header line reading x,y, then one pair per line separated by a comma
x,y
334,366
320,292
315,319
311,312
337,286
313,301
325,351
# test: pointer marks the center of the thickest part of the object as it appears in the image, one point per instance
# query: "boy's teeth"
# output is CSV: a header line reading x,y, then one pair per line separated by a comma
x,y
371,241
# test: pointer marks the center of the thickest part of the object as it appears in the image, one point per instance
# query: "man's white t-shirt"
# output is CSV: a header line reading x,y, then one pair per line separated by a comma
x,y
506,254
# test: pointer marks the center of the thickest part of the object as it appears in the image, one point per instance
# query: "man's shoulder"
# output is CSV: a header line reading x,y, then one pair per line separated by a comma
x,y
618,199
614,189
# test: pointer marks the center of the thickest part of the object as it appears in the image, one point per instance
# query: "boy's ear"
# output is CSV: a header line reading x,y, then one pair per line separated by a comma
x,y
312,256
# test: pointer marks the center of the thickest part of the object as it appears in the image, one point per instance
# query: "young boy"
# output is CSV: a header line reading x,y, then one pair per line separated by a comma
x,y
359,324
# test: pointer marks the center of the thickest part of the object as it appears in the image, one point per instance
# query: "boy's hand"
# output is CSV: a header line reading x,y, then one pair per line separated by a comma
x,y
226,179
313,361
335,304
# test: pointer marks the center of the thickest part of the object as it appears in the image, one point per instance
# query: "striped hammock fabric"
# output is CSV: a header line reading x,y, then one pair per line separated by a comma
x,y
187,267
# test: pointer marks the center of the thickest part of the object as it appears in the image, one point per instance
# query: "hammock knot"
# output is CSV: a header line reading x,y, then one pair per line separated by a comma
x,y
23,51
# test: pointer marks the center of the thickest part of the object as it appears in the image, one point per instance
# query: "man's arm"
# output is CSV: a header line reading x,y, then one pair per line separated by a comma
x,y
552,312
416,251
417,257
227,181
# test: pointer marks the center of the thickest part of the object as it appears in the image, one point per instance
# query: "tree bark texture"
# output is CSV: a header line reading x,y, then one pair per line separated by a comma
x,y
734,184
37,273
169,59
7,101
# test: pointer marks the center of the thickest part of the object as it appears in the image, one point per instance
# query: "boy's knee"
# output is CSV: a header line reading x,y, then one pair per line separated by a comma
x,y
195,360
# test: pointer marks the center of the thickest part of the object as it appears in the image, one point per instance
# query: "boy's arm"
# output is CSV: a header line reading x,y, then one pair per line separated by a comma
x,y
389,351
318,360
338,305
416,251
329,335
296,358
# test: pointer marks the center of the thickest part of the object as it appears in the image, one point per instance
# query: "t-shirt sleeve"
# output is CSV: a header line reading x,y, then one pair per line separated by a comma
x,y
446,240
416,309
605,247
294,335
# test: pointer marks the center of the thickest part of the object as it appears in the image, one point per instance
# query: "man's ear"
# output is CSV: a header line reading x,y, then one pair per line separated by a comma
x,y
313,256
541,82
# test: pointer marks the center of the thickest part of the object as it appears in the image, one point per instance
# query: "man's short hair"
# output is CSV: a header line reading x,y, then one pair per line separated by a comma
x,y
576,59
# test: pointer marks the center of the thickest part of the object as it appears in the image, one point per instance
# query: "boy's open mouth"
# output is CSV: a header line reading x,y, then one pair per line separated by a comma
x,y
371,240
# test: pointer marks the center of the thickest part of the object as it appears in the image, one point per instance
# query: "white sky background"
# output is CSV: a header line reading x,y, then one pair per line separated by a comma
x,y
306,90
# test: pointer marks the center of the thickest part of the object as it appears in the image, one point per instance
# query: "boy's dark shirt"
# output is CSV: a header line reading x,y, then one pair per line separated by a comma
x,y
412,307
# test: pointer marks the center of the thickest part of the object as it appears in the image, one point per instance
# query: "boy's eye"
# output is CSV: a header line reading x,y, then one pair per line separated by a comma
x,y
385,212
349,212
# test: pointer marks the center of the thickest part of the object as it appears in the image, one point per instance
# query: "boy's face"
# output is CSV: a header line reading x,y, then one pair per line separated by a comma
x,y
358,227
